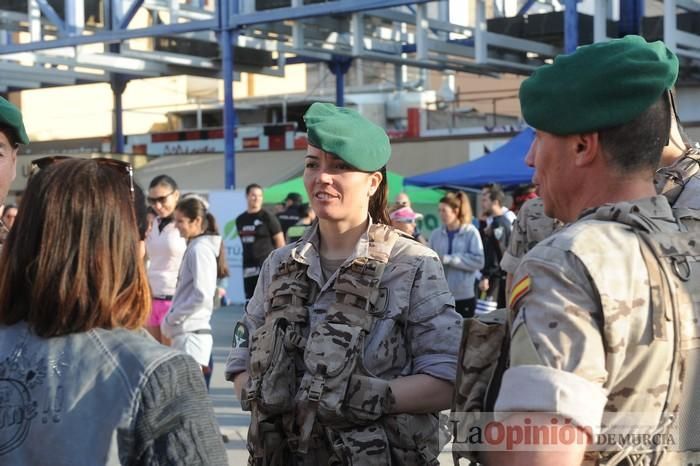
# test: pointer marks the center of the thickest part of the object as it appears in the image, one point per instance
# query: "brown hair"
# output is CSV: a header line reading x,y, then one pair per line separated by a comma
x,y
71,263
459,202
378,201
192,208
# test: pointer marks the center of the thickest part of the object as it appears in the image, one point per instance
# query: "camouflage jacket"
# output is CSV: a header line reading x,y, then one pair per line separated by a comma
x,y
584,338
419,331
531,227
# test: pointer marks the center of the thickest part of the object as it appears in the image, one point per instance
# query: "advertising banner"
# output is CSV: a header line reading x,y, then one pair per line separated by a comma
x,y
226,206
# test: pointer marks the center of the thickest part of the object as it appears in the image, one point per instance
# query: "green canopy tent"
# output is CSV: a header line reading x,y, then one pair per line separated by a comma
x,y
277,193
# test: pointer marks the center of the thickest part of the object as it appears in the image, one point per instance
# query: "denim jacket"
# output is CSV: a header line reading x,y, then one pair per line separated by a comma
x,y
466,259
101,397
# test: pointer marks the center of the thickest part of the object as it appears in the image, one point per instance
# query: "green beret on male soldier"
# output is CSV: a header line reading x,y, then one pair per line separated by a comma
x,y
599,86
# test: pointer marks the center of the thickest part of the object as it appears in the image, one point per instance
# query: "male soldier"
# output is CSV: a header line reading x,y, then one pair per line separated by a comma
x,y
531,227
12,134
596,328
678,179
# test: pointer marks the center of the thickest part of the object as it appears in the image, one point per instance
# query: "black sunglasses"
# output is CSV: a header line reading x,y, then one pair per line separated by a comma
x,y
121,167
161,199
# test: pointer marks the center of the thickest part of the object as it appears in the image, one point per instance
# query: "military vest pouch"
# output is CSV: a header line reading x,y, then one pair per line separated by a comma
x,y
367,399
330,358
415,438
272,369
362,446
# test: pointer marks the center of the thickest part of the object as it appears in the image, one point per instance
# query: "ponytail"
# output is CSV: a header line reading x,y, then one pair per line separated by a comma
x,y
211,229
459,202
193,206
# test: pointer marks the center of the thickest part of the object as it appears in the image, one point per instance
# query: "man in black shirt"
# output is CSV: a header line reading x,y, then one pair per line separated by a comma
x,y
260,234
496,236
290,215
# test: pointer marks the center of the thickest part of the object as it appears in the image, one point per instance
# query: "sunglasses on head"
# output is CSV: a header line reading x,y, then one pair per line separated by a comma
x,y
124,168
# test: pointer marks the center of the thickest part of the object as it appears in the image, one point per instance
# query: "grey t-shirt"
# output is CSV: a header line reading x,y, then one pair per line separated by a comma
x,y
329,266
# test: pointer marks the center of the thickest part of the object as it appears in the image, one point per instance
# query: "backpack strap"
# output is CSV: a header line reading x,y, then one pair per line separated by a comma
x,y
289,292
671,181
666,257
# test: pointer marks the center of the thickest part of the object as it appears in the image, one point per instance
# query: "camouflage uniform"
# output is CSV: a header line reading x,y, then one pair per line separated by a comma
x,y
531,227
585,338
417,332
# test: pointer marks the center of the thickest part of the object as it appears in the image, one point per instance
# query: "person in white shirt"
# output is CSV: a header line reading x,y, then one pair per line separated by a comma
x,y
165,248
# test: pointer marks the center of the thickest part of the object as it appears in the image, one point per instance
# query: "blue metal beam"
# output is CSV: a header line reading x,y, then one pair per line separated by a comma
x,y
118,84
74,16
631,14
301,59
339,88
339,66
130,13
526,7
51,15
225,38
411,48
235,22
570,26
113,36
319,9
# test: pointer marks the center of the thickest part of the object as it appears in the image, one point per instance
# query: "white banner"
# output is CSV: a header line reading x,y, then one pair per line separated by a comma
x,y
226,206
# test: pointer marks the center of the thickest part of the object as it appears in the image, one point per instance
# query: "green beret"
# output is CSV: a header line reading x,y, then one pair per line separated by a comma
x,y
598,86
348,135
12,117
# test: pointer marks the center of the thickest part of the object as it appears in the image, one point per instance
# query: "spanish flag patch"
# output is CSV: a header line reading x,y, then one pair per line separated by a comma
x,y
519,290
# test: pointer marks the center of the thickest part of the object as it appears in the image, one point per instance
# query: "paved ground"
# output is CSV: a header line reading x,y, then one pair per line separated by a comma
x,y
233,421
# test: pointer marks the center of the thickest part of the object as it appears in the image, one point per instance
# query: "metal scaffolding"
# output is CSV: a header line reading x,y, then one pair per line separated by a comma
x,y
67,42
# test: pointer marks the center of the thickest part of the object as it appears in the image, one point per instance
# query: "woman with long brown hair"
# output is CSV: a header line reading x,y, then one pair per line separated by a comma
x,y
85,384
347,351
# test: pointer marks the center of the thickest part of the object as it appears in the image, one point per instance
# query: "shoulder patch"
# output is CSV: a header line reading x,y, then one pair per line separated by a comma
x,y
240,336
519,290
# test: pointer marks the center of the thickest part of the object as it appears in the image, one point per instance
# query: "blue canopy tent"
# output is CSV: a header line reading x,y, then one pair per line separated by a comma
x,y
505,165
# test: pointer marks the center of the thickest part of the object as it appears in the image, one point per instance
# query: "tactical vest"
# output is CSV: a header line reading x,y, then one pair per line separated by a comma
x,y
672,259
670,181
311,399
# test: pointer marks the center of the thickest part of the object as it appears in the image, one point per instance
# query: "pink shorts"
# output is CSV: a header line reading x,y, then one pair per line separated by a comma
x,y
159,308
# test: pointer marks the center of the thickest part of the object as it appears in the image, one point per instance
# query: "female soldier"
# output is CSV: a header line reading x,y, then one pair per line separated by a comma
x,y
347,350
